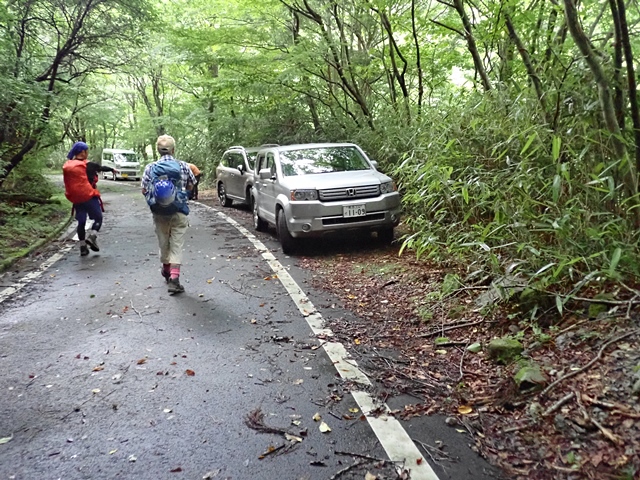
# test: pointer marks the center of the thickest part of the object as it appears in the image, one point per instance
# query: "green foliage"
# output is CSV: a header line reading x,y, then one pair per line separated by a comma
x,y
24,224
512,197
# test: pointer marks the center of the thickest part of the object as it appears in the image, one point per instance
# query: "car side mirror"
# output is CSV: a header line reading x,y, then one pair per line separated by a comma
x,y
241,169
375,164
265,174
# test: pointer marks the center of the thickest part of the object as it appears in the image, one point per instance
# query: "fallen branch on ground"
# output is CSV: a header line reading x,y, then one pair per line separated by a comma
x,y
339,473
588,365
255,421
450,327
609,435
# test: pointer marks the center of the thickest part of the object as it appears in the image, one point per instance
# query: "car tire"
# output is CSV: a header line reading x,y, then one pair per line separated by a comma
x,y
287,242
385,236
222,196
258,223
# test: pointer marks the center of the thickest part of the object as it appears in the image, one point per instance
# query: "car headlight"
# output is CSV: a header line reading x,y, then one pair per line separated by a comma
x,y
387,187
304,195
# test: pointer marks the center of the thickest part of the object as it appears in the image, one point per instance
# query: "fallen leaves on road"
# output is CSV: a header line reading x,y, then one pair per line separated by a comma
x,y
324,428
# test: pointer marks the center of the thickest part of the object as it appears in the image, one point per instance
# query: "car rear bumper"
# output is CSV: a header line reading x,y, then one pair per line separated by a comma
x,y
128,174
316,218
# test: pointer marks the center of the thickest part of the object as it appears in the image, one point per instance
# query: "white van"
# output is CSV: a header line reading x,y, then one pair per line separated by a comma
x,y
124,161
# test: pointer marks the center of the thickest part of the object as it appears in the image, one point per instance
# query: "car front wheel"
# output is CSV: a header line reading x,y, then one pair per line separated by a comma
x,y
258,223
222,196
287,242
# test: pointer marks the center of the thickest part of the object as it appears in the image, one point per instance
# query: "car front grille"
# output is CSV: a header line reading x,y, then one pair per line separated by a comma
x,y
336,194
342,220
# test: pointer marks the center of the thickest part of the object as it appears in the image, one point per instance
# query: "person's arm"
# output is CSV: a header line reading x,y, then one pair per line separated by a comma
x,y
93,168
146,178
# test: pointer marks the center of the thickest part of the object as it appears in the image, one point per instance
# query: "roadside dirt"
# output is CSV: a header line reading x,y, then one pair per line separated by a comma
x,y
422,330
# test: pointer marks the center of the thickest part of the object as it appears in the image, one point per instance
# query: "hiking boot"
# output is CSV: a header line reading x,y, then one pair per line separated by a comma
x,y
174,286
92,241
166,275
84,251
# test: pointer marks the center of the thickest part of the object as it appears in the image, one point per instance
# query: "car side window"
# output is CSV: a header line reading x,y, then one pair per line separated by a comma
x,y
271,163
239,160
261,162
225,160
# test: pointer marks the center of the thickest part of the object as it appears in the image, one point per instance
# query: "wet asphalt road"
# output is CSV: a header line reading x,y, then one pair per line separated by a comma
x,y
105,375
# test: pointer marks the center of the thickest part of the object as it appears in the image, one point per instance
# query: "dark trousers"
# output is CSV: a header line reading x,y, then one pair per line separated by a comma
x,y
92,209
194,191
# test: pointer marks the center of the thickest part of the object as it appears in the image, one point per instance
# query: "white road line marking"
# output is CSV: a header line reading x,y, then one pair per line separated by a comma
x,y
30,277
392,436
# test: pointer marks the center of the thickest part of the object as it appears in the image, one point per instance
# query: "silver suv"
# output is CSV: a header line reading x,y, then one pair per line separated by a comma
x,y
234,175
308,190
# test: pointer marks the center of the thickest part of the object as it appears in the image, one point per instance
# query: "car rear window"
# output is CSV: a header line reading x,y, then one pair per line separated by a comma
x,y
321,160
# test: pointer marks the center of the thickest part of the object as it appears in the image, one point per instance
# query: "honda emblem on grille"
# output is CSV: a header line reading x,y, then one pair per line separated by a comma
x,y
351,192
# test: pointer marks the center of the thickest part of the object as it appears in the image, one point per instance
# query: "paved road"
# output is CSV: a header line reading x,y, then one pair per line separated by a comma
x,y
105,375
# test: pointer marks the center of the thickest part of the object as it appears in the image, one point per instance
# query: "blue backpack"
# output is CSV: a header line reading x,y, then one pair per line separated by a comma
x,y
166,194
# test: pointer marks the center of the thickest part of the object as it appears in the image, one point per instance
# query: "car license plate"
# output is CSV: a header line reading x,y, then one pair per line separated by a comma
x,y
125,175
354,211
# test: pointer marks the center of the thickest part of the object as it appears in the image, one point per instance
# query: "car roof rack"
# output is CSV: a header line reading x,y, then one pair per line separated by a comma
x,y
265,145
235,146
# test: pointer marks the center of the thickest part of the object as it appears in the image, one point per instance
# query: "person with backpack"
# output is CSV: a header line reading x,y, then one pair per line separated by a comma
x,y
166,185
80,178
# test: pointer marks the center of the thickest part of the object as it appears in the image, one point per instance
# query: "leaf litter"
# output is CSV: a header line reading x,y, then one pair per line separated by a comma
x,y
411,339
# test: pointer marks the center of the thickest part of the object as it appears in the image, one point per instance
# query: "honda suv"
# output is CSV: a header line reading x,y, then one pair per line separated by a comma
x,y
308,190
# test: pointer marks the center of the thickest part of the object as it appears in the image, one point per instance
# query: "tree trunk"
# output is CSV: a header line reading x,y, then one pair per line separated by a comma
x,y
414,32
631,78
471,45
531,71
618,97
604,92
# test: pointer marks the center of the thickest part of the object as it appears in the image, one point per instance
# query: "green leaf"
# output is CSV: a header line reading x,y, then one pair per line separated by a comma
x,y
615,259
6,439
555,150
557,185
559,304
530,140
474,347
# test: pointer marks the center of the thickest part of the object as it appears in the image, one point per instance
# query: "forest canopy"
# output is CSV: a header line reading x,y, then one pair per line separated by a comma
x,y
511,127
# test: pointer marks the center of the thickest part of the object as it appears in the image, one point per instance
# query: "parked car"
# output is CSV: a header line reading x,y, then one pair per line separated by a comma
x,y
125,162
235,174
313,189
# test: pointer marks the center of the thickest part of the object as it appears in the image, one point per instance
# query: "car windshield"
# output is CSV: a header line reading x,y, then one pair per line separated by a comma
x,y
125,157
322,160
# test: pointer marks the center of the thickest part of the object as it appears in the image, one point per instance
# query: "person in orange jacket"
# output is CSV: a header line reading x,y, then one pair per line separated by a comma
x,y
198,174
80,179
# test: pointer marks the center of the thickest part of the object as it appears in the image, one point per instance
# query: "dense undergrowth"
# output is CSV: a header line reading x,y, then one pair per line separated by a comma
x,y
32,209
488,187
